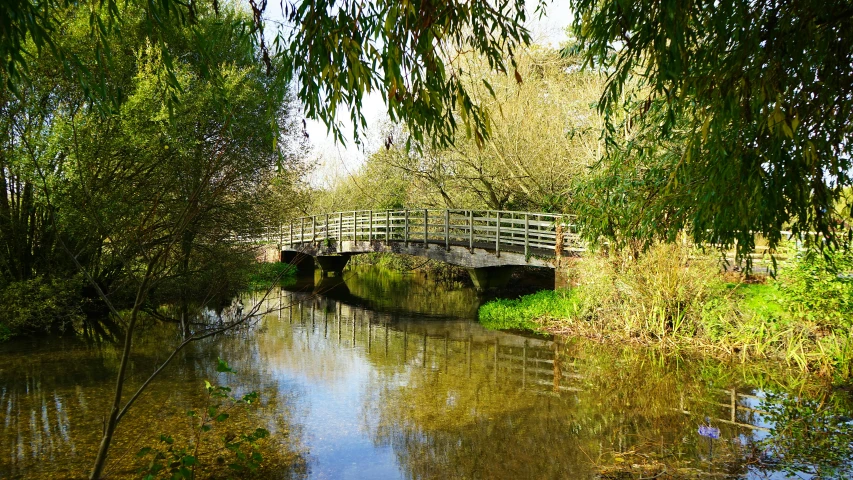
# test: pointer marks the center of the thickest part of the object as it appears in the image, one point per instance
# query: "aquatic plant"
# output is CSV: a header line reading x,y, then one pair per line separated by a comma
x,y
176,461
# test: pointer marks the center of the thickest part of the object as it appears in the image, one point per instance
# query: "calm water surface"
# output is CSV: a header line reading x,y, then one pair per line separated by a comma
x,y
384,375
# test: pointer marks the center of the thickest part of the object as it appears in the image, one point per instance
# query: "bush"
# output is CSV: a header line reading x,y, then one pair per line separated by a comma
x,y
39,305
664,292
817,290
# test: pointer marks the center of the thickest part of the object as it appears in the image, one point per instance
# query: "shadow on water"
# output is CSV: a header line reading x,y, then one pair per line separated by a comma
x,y
389,377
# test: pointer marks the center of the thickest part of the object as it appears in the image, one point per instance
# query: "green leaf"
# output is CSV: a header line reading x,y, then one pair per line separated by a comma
x,y
222,366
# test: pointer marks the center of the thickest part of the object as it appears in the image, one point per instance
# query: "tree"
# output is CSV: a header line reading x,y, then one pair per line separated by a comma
x,y
543,135
728,119
335,51
148,199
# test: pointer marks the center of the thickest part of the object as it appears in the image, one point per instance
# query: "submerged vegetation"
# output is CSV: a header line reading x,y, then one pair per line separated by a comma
x,y
677,298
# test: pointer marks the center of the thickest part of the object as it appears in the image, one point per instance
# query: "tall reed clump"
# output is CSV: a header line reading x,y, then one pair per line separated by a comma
x,y
662,294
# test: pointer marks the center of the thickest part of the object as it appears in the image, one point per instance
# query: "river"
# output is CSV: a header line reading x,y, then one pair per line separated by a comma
x,y
385,375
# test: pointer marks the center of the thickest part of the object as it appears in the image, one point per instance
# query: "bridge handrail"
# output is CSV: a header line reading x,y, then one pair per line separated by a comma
x,y
531,232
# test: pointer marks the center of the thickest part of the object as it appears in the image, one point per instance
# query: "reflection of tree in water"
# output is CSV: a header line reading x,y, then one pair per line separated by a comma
x,y
54,394
809,436
616,406
410,292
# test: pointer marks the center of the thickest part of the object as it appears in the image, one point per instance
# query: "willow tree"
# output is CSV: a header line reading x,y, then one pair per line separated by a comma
x,y
726,118
542,135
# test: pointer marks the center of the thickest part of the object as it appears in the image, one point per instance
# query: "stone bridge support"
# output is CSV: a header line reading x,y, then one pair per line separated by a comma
x,y
486,278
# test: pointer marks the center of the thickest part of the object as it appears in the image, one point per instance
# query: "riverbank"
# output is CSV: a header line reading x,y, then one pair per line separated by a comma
x,y
675,299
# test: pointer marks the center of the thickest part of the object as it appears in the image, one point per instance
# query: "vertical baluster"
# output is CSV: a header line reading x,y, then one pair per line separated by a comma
x,y
526,236
426,228
355,225
498,234
370,228
326,229
340,228
302,230
447,229
471,230
406,228
387,226
290,237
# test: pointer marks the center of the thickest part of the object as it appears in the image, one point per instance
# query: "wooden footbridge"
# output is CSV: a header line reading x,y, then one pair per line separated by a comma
x,y
489,243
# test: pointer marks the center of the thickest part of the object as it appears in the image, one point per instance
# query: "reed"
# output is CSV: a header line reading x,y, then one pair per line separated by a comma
x,y
676,297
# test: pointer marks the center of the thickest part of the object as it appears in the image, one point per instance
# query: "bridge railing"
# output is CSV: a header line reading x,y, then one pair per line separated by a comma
x,y
491,229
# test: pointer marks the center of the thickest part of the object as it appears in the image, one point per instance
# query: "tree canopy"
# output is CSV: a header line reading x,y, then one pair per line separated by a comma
x,y
335,51
726,118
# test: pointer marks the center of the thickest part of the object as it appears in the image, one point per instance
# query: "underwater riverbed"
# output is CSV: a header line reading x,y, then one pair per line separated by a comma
x,y
385,375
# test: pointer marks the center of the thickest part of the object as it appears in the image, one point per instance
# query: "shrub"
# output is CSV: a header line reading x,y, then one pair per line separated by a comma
x,y
39,305
817,290
665,292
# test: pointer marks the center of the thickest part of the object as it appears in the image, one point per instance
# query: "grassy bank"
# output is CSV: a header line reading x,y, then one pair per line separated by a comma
x,y
675,298
264,275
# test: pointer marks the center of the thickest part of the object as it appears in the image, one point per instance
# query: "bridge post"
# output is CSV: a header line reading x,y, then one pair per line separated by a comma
x,y
290,237
355,226
313,228
387,225
302,230
447,229
370,228
340,229
332,265
470,230
426,228
406,231
498,235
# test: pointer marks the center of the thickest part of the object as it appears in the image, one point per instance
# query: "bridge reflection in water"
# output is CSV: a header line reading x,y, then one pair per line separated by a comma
x,y
533,363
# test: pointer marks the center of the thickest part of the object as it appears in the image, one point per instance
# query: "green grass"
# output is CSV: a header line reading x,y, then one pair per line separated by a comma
x,y
763,299
265,275
522,314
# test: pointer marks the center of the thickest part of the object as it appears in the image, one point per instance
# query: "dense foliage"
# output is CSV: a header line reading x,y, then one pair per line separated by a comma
x,y
169,179
723,118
